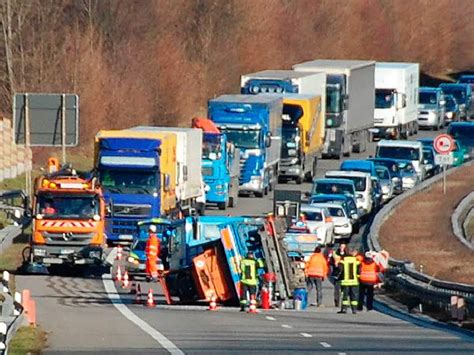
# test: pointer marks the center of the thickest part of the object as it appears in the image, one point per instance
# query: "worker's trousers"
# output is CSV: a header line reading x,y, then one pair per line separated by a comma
x,y
317,283
366,291
246,293
349,297
337,290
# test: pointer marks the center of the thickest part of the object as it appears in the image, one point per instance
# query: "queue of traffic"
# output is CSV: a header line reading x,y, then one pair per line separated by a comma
x,y
275,131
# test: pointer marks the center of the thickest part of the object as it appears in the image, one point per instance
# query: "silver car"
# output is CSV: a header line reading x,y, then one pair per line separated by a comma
x,y
386,182
408,173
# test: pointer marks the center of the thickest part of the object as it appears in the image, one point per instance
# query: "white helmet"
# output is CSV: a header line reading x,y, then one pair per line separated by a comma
x,y
152,228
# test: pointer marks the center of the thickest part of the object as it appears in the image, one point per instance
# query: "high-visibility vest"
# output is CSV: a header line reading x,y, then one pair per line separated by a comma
x,y
369,273
350,277
249,271
317,266
152,246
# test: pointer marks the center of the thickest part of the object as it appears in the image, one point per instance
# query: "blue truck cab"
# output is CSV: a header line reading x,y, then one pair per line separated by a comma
x,y
253,124
189,238
431,107
220,170
129,171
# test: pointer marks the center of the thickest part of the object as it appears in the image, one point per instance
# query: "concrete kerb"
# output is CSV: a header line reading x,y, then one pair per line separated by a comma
x,y
469,217
462,211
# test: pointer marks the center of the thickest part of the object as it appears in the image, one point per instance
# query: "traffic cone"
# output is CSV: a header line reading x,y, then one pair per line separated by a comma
x,y
253,305
119,252
138,294
150,302
212,304
118,275
125,281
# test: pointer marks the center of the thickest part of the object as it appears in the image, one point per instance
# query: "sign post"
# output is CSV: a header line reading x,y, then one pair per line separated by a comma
x,y
444,145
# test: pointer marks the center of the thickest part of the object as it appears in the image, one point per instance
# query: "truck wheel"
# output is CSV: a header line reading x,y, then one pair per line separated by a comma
x,y
265,191
259,194
222,205
232,202
415,127
299,180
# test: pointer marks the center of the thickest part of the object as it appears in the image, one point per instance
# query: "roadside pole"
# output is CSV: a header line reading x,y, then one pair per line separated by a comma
x,y
444,179
27,147
444,145
63,127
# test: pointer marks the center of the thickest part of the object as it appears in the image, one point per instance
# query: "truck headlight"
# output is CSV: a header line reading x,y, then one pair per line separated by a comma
x,y
385,189
132,260
449,115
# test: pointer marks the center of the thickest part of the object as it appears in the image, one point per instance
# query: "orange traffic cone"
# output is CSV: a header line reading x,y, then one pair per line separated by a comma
x,y
138,294
253,305
150,302
118,276
119,253
212,304
125,281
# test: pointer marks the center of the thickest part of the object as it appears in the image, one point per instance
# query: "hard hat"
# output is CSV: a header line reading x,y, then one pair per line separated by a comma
x,y
152,228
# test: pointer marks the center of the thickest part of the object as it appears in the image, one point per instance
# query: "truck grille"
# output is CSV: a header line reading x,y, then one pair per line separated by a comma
x,y
68,238
207,171
132,210
378,120
423,112
124,227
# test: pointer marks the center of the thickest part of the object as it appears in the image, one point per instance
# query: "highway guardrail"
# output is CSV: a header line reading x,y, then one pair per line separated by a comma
x,y
403,275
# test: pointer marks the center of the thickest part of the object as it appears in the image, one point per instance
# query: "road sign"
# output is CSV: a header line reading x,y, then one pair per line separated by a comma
x,y
444,159
45,119
443,144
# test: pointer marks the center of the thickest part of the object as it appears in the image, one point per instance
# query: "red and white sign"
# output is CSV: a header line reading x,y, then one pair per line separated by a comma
x,y
443,144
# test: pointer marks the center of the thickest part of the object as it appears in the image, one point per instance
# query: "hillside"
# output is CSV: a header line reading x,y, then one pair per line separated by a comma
x,y
157,62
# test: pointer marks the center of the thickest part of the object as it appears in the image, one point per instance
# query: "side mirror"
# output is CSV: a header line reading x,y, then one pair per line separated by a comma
x,y
166,182
425,161
345,103
355,216
268,140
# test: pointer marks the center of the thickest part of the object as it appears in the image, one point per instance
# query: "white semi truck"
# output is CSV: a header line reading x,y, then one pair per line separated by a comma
x,y
396,100
349,103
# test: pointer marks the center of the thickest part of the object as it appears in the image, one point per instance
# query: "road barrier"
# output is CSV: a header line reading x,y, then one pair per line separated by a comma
x,y
404,277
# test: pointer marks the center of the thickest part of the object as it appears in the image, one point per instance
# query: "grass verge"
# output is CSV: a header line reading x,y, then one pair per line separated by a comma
x,y
28,340
12,258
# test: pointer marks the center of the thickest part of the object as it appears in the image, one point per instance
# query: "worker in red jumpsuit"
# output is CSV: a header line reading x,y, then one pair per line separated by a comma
x,y
152,253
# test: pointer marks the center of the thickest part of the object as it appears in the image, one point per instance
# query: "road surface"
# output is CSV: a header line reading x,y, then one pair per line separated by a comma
x,y
84,312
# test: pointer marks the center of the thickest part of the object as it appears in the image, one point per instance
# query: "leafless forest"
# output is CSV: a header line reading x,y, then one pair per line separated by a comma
x,y
157,61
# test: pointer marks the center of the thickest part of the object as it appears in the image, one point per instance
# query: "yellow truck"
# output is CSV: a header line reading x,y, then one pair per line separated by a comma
x,y
137,171
303,132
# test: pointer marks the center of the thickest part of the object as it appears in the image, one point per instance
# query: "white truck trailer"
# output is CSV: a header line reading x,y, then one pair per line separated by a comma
x,y
396,100
190,192
349,103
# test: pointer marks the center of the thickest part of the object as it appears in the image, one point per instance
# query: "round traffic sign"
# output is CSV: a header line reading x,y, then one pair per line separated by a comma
x,y
443,144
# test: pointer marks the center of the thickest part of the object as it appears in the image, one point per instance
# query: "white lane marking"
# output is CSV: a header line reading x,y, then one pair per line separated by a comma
x,y
270,318
306,335
114,296
341,353
324,344
286,326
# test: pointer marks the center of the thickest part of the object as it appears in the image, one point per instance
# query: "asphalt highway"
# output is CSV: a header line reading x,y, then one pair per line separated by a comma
x,y
87,312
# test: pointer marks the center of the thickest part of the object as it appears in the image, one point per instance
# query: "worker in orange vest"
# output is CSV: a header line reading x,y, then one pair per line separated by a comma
x,y
48,208
316,270
369,277
152,251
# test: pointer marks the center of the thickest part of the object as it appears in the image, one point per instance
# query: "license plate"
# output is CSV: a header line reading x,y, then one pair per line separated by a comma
x,y
67,251
332,135
374,130
141,267
125,237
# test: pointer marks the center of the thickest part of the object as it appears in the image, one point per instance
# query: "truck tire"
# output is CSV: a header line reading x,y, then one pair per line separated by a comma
x,y
415,127
222,205
232,202
299,180
259,194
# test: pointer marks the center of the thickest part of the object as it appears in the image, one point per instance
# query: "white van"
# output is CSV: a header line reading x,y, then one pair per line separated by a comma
x,y
406,150
363,186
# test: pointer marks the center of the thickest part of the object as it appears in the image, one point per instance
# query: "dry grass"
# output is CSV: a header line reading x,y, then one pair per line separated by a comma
x,y
28,340
421,231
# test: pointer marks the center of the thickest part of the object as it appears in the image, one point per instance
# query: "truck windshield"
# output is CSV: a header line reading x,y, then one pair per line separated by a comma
x,y
129,181
244,139
383,98
70,206
458,93
289,147
211,146
406,153
427,98
332,188
292,114
333,99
